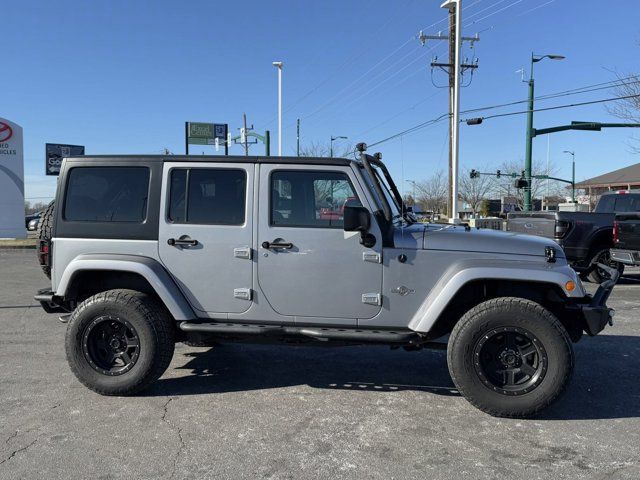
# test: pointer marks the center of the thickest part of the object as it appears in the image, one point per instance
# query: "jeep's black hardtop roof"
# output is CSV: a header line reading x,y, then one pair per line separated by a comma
x,y
218,159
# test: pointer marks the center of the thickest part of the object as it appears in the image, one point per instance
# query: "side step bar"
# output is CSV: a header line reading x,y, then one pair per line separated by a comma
x,y
318,333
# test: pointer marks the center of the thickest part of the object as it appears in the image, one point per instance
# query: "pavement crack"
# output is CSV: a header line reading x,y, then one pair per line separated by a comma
x,y
13,435
15,452
178,431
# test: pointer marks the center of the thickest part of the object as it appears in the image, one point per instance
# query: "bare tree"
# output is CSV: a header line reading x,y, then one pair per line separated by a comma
x,y
30,208
431,194
319,149
628,108
504,186
475,190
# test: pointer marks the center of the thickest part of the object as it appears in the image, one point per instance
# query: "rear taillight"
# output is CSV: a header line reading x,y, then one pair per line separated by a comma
x,y
616,232
44,251
562,227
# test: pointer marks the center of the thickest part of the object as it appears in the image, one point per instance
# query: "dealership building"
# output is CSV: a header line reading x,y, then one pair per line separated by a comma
x,y
626,178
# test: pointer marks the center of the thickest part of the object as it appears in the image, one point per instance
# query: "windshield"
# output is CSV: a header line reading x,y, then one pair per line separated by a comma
x,y
388,197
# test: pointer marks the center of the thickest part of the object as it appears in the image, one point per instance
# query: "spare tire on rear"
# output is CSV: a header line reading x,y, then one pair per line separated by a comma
x,y
45,231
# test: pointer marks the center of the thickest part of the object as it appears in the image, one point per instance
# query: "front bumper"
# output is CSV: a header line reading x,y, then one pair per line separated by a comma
x,y
595,314
628,257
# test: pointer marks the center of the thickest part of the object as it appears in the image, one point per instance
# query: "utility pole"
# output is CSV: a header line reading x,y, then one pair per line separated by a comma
x,y
454,69
244,134
298,138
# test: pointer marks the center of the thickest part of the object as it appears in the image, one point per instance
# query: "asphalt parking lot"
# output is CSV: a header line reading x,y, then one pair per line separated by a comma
x,y
251,411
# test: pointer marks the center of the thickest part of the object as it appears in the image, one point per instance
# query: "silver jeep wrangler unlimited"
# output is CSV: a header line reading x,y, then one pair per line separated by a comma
x,y
145,251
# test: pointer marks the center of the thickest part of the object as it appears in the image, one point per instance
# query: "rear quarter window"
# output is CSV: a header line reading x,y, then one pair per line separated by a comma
x,y
107,194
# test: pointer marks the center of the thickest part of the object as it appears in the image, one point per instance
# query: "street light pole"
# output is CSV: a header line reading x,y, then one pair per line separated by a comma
x,y
413,194
573,174
331,144
529,135
278,65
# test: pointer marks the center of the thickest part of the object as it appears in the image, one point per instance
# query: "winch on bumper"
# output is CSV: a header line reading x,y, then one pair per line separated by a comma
x,y
595,314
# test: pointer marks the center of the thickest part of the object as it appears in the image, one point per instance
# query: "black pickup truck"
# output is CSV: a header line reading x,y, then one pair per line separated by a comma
x,y
626,239
586,237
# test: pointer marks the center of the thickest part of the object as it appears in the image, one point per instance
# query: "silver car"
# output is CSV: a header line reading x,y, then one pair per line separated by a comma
x,y
149,250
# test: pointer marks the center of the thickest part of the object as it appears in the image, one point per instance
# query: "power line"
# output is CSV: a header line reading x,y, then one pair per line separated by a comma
x,y
557,107
446,115
369,80
347,61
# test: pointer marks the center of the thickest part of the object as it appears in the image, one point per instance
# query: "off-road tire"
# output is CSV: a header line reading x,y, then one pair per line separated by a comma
x,y
45,231
524,315
155,331
602,255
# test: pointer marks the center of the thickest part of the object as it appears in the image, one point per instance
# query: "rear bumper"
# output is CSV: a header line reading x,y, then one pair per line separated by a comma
x,y
595,314
628,257
50,303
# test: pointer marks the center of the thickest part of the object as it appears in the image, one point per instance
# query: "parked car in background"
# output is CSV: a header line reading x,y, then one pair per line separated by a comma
x,y
626,239
586,237
31,221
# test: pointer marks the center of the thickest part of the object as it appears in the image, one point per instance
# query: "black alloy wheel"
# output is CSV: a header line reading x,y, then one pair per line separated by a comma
x,y
510,360
111,345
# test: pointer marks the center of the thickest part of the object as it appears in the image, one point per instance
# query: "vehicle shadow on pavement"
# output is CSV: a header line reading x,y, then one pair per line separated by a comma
x,y
605,383
236,367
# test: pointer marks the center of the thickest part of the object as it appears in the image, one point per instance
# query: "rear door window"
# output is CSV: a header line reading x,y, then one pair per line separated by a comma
x,y
107,194
207,196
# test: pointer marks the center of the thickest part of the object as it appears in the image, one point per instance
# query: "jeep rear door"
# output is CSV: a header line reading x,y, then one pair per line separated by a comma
x,y
205,234
308,266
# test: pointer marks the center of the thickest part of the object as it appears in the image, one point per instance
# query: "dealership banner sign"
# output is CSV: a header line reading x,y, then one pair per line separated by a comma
x,y
55,152
11,181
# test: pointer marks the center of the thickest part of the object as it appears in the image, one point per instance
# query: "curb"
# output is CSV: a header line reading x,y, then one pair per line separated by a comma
x,y
17,247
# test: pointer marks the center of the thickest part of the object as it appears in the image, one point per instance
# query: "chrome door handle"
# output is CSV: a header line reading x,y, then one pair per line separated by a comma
x,y
269,245
182,242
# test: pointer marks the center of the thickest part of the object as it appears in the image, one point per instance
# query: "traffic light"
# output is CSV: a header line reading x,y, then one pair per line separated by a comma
x,y
521,183
498,174
474,173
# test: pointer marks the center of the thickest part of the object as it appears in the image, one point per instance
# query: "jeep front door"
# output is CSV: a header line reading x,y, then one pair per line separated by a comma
x,y
205,235
308,266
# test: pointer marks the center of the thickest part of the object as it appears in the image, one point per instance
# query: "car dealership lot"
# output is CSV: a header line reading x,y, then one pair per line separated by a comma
x,y
246,411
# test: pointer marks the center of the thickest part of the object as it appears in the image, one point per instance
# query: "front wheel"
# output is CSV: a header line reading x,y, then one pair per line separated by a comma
x,y
510,357
118,342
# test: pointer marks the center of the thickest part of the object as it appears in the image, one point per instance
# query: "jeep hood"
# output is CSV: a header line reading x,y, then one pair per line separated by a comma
x,y
457,238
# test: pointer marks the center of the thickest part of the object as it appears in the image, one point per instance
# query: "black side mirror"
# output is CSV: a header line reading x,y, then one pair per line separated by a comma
x,y
356,219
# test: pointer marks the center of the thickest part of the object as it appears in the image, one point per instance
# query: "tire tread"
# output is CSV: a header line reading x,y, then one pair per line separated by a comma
x,y
467,321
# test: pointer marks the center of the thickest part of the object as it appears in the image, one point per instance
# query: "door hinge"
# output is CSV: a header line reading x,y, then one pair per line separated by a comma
x,y
372,299
242,293
373,257
242,252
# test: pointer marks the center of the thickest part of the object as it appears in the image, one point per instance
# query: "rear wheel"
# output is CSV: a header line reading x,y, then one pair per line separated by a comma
x,y
45,231
510,357
597,274
118,342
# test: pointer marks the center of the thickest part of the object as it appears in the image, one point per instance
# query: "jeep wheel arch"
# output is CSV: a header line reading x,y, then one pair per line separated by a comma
x,y
120,271
444,293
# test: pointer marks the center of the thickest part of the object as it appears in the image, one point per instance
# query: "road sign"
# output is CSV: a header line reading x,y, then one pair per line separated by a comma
x,y
205,133
11,180
55,152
